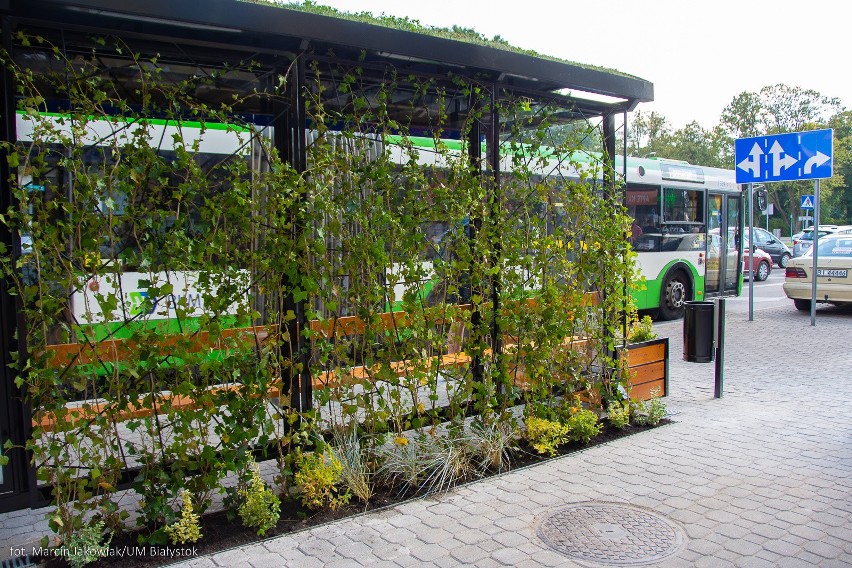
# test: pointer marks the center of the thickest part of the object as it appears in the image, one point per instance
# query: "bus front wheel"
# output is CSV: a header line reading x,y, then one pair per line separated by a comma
x,y
676,292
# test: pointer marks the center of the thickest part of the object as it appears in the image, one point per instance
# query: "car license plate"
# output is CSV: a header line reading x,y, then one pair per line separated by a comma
x,y
832,272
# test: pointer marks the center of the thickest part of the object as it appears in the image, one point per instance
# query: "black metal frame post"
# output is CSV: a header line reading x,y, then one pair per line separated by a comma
x,y
474,154
15,415
495,198
608,126
291,140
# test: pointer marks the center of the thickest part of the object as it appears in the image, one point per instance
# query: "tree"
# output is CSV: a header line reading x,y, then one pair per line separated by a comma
x,y
647,133
743,117
778,109
838,198
791,109
694,144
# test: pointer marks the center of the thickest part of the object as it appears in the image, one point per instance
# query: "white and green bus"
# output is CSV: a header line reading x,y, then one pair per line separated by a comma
x,y
687,219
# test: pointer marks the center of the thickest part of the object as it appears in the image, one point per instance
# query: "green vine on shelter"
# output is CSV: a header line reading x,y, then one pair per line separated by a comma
x,y
158,273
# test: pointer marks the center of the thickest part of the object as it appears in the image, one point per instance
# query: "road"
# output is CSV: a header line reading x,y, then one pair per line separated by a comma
x,y
768,294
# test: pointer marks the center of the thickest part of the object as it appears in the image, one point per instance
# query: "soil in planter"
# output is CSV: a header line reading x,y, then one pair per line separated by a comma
x,y
221,533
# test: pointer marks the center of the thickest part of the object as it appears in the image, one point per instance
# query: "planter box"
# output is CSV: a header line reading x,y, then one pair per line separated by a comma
x,y
648,365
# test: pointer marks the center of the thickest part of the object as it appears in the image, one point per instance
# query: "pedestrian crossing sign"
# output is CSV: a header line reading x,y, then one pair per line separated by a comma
x,y
807,202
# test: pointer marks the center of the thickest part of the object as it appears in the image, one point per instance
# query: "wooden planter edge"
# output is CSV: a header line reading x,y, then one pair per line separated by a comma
x,y
649,370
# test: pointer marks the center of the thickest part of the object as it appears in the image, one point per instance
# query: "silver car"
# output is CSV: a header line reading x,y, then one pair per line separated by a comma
x,y
804,243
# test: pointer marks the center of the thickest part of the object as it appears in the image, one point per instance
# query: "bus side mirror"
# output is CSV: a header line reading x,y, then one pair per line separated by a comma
x,y
761,199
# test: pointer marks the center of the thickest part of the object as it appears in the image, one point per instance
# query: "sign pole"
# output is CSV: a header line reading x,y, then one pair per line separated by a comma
x,y
815,253
750,251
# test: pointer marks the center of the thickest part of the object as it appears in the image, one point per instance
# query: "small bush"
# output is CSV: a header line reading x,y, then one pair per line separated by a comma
x,y
546,435
401,463
641,330
431,464
318,476
493,444
187,528
260,508
84,545
618,414
356,471
582,425
651,412
447,459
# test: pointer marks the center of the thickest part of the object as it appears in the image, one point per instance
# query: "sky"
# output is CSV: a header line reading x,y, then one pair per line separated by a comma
x,y
699,54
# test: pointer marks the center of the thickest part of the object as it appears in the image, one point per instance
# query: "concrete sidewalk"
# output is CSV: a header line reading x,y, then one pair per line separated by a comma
x,y
761,477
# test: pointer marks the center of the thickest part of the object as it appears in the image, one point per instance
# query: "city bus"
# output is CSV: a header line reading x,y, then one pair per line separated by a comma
x,y
686,220
686,225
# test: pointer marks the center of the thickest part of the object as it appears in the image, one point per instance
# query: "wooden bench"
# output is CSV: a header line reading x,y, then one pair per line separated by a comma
x,y
114,351
117,350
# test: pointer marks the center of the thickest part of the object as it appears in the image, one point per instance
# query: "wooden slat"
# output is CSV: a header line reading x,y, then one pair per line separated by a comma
x,y
88,411
117,350
362,375
389,321
648,354
643,391
645,373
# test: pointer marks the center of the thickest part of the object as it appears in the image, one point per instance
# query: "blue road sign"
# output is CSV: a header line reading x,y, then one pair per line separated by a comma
x,y
785,157
807,202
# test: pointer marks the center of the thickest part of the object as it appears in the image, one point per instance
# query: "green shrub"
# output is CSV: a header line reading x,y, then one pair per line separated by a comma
x,y
317,478
582,425
546,435
641,330
260,508
651,412
618,414
84,545
187,528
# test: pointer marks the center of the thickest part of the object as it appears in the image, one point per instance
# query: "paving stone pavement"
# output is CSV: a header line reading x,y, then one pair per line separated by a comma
x,y
760,477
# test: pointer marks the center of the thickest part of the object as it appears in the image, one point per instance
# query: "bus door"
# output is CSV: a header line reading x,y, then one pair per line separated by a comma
x,y
724,227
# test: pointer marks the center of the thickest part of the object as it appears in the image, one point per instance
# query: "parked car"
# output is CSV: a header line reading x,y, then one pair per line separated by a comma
x,y
761,264
804,243
768,243
834,273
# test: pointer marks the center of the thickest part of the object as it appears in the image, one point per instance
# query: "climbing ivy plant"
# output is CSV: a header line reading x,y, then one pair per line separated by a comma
x,y
165,243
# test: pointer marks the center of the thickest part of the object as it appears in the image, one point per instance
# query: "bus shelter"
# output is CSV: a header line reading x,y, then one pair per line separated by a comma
x,y
322,137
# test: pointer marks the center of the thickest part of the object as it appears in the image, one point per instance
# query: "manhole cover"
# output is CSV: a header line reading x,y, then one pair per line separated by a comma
x,y
612,534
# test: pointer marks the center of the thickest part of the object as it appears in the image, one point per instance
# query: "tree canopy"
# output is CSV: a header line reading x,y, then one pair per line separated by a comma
x,y
775,109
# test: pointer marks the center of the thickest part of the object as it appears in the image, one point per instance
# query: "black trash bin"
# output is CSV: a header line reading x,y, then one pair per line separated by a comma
x,y
698,332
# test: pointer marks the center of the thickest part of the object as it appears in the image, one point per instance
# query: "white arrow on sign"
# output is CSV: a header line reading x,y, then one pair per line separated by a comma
x,y
752,163
779,163
817,161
